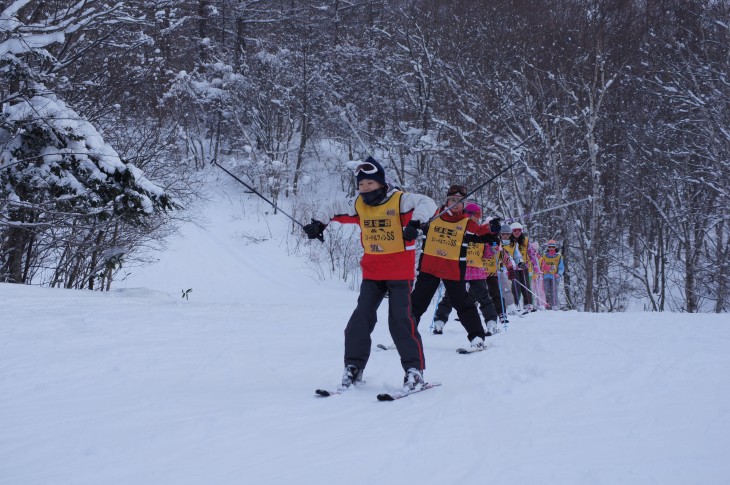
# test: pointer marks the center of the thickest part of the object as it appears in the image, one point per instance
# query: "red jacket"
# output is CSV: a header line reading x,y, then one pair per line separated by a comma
x,y
394,266
448,269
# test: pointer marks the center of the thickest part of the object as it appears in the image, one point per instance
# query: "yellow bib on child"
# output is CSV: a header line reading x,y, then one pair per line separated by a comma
x,y
380,225
444,239
474,256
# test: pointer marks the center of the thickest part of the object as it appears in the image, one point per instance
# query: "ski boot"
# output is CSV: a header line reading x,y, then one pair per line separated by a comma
x,y
352,375
413,380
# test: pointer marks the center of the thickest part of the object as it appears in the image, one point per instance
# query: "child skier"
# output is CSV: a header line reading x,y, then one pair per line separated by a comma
x,y
444,259
389,220
554,269
521,283
506,268
536,281
476,282
495,259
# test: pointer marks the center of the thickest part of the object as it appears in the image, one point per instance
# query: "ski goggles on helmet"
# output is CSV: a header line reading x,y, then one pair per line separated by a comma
x,y
367,168
456,190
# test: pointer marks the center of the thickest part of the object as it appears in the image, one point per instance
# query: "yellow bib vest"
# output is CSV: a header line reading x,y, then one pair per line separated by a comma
x,y
380,225
510,248
523,250
444,239
553,262
474,256
490,264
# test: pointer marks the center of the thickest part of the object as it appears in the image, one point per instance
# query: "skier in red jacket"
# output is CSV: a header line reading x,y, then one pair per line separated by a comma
x,y
444,259
389,220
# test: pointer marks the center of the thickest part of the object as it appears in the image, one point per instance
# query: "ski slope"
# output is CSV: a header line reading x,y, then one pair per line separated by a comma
x,y
140,386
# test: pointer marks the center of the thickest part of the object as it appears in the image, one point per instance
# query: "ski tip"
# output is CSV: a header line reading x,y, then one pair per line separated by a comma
x,y
470,351
322,393
399,395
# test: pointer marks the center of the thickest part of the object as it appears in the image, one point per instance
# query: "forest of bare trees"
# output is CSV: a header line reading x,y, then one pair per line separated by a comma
x,y
623,101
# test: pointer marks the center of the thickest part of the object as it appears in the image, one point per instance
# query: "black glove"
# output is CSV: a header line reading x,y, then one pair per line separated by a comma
x,y
410,232
314,230
521,265
486,238
511,274
495,225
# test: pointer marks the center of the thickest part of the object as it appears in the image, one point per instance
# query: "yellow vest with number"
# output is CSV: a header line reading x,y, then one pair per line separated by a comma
x,y
474,256
380,226
490,264
553,262
444,239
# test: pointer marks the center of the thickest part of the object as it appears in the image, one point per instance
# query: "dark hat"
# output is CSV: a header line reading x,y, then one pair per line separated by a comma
x,y
456,190
370,169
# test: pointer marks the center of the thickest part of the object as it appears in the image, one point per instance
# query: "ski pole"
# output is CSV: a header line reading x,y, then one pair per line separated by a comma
x,y
214,162
482,185
469,194
529,214
499,285
533,293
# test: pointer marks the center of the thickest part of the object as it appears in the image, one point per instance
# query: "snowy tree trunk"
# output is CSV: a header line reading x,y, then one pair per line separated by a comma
x,y
13,250
590,303
690,294
662,269
722,268
304,122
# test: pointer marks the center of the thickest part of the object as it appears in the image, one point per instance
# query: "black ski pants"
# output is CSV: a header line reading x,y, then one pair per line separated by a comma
x,y
477,289
403,328
425,288
521,286
494,293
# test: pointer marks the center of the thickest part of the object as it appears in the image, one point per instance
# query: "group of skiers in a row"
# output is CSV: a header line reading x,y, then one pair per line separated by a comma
x,y
507,277
488,264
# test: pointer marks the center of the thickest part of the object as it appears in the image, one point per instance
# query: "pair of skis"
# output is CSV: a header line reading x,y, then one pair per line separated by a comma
x,y
383,396
396,395
460,350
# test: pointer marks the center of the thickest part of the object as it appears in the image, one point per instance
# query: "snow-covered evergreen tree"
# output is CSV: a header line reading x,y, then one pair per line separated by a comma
x,y
58,176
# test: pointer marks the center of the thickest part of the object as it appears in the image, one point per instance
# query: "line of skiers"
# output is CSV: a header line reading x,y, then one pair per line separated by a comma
x,y
485,263
504,274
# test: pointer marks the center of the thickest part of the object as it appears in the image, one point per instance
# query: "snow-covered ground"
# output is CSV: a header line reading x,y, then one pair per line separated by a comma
x,y
140,386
